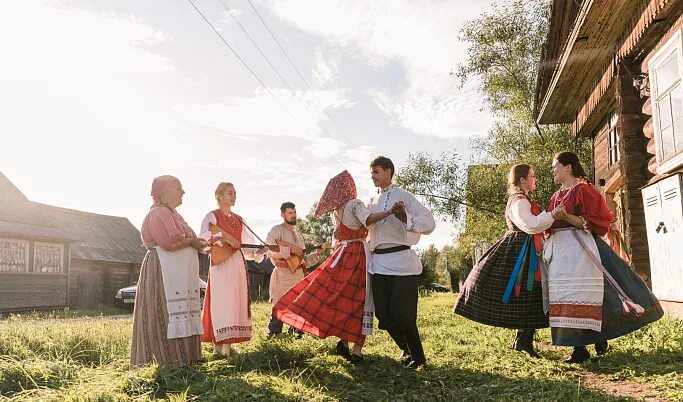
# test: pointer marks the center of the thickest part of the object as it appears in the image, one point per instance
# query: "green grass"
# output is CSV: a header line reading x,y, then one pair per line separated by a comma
x,y
69,313
54,358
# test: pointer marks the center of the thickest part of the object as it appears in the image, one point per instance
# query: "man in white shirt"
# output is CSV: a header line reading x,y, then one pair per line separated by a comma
x,y
282,278
395,266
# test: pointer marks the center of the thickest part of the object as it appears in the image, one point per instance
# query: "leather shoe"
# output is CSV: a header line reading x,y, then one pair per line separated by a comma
x,y
356,359
579,355
343,351
414,364
405,358
530,350
601,348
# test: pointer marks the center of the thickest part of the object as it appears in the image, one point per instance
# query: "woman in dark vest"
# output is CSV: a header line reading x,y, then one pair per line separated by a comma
x,y
504,287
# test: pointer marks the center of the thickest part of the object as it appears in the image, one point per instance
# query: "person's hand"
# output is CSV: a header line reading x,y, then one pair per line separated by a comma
x,y
232,242
559,213
399,210
262,250
198,244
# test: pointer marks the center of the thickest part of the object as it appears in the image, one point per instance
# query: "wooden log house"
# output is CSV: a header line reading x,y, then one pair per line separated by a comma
x,y
54,257
613,69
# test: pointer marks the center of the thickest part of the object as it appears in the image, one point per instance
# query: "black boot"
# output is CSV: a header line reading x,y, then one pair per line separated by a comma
x,y
343,351
601,348
579,355
405,358
516,344
524,342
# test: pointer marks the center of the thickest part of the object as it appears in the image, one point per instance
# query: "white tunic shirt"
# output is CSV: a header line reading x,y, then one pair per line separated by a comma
x,y
520,214
391,232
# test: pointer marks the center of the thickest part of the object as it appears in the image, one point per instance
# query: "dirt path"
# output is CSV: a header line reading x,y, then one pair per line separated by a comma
x,y
622,388
619,388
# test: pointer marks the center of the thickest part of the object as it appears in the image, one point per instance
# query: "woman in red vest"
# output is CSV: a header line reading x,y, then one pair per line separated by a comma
x,y
227,312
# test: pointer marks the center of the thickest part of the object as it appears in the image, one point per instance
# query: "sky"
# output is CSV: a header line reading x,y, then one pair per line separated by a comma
x,y
99,97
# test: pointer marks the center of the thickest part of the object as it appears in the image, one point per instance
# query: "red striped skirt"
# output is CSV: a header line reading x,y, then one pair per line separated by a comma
x,y
330,300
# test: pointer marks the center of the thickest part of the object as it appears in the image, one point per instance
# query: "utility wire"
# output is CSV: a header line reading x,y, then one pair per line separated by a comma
x,y
252,72
272,66
296,69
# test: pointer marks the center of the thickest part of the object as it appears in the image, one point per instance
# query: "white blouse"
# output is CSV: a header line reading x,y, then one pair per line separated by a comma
x,y
520,214
246,237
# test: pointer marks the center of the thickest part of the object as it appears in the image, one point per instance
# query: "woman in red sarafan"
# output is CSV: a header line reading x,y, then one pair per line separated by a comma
x,y
335,299
593,294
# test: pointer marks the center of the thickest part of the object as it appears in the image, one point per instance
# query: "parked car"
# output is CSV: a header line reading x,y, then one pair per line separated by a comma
x,y
125,297
437,287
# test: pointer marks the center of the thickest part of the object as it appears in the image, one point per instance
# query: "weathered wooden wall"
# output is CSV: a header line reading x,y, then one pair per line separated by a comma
x,y
22,292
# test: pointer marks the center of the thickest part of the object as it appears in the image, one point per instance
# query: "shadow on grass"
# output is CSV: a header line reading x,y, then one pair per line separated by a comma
x,y
273,373
657,362
207,380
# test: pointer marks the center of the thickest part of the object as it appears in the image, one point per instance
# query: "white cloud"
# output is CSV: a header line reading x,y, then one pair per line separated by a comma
x,y
326,71
421,36
298,115
84,44
72,106
288,114
228,16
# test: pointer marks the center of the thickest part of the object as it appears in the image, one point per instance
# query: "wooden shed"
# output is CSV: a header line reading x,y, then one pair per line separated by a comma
x,y
53,257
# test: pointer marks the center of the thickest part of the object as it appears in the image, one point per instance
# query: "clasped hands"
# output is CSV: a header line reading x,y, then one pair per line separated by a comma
x,y
559,213
399,210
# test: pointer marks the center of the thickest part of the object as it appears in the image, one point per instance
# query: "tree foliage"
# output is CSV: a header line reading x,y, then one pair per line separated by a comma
x,y
428,258
503,49
316,231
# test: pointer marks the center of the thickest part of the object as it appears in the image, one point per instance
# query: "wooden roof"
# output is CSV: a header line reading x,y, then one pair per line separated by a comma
x,y
95,237
588,48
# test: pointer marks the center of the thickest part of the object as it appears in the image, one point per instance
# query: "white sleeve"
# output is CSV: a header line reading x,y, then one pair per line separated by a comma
x,y
360,211
205,231
270,239
521,216
419,219
248,238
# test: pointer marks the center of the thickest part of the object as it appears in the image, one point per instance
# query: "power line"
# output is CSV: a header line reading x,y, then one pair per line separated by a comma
x,y
296,69
244,31
252,72
272,66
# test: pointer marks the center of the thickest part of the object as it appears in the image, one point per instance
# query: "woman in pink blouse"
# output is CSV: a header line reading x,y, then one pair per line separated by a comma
x,y
166,321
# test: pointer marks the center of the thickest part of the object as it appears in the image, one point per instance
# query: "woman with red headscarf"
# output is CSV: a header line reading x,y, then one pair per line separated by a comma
x,y
166,320
335,299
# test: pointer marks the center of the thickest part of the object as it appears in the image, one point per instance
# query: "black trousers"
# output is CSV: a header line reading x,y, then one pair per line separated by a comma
x,y
395,300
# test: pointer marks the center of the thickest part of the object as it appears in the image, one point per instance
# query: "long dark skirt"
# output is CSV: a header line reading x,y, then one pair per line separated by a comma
x,y
150,322
614,322
481,297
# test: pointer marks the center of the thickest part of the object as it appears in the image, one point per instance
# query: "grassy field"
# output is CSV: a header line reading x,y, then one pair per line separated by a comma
x,y
74,357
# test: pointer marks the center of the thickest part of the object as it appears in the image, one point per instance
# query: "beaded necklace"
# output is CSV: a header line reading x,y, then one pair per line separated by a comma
x,y
561,198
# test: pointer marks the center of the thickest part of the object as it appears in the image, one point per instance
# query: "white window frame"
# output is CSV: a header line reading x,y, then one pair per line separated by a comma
x,y
35,259
613,129
26,247
674,44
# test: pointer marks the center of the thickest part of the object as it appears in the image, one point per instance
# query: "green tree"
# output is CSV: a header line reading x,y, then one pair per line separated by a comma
x,y
316,231
428,258
503,49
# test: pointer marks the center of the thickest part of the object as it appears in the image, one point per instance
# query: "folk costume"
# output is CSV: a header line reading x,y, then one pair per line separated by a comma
x,y
504,287
593,294
166,320
335,299
395,268
284,277
227,310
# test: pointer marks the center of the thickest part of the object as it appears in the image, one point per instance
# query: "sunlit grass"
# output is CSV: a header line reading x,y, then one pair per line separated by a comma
x,y
54,358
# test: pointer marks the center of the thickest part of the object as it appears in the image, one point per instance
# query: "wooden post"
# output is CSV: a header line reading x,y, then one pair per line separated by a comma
x,y
633,164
